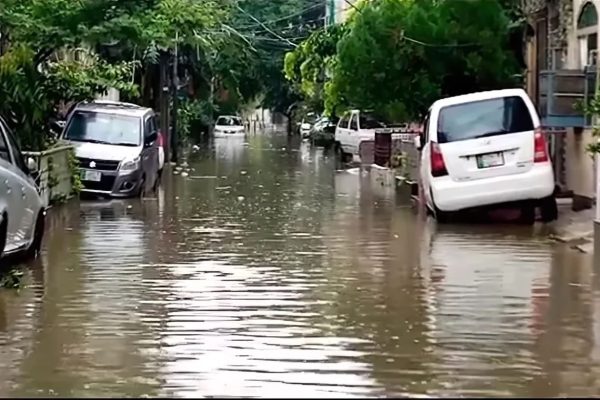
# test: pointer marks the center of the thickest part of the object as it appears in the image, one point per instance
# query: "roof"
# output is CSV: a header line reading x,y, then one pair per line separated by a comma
x,y
110,107
491,94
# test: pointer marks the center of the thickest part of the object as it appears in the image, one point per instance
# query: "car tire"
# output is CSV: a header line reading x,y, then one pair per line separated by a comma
x,y
343,157
549,209
36,245
3,235
440,216
527,214
142,190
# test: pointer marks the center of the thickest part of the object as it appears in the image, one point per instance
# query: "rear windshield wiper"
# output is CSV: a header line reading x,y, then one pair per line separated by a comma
x,y
493,133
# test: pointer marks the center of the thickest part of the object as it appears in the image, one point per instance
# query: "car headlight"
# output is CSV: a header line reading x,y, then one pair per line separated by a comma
x,y
129,165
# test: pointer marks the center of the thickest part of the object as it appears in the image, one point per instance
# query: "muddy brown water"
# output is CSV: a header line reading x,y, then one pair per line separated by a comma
x,y
266,273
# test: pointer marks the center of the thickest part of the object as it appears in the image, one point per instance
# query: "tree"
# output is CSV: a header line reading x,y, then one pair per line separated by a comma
x,y
400,56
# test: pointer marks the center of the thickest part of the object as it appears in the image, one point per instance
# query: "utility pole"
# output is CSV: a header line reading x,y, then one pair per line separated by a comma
x,y
175,136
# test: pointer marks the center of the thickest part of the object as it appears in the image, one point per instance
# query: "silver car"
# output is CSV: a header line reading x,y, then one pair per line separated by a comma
x,y
117,147
22,211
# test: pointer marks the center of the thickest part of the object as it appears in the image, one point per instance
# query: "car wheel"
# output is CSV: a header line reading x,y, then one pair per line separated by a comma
x,y
36,246
440,216
549,209
142,190
527,214
344,157
3,234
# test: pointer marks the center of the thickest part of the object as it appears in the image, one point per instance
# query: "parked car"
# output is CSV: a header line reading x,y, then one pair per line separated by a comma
x,y
322,132
22,211
306,124
486,149
355,127
117,147
229,125
161,153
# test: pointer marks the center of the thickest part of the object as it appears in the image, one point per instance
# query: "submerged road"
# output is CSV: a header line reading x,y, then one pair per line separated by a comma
x,y
267,273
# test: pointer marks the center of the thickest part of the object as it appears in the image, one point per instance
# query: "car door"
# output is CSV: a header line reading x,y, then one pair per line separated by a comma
x,y
353,134
341,132
22,194
424,165
150,152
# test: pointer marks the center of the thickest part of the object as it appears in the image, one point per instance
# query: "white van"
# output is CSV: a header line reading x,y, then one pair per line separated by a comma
x,y
484,149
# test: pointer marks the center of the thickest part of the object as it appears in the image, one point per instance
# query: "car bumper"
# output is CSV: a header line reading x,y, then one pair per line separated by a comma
x,y
536,184
114,185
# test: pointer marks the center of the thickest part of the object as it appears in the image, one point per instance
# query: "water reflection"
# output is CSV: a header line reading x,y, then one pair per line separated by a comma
x,y
265,272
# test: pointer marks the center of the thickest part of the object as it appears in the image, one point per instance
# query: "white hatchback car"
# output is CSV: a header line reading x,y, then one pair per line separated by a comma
x,y
22,211
229,126
486,149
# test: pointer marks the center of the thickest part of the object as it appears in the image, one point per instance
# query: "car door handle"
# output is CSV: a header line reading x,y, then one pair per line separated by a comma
x,y
23,193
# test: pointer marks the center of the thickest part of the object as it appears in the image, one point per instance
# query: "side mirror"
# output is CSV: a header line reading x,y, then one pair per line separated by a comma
x,y
151,139
58,126
32,165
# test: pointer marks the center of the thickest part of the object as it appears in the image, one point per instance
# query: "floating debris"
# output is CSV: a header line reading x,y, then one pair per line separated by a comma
x,y
241,198
184,174
243,172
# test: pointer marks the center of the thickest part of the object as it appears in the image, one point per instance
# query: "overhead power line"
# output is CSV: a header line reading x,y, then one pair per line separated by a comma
x,y
421,43
296,14
266,27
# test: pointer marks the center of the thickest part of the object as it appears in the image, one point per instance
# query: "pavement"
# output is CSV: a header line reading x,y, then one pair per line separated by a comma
x,y
575,228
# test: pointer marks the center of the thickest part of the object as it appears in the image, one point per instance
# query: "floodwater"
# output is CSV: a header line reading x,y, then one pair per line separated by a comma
x,y
266,273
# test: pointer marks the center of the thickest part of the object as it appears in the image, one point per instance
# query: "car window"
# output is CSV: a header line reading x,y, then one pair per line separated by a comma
x,y
483,118
149,127
16,151
229,121
370,121
4,152
100,127
354,122
345,120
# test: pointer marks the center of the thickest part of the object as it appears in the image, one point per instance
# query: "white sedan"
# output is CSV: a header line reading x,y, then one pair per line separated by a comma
x,y
22,211
228,125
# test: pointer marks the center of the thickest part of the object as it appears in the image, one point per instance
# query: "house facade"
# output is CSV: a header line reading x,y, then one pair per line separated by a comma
x,y
562,48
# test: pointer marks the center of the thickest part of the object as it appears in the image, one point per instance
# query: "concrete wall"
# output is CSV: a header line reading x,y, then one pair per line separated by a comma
x,y
54,173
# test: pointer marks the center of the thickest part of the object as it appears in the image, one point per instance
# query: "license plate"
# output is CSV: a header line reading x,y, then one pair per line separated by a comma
x,y
93,176
490,160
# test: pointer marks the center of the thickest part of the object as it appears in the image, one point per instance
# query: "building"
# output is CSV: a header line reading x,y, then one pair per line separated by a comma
x,y
562,50
337,11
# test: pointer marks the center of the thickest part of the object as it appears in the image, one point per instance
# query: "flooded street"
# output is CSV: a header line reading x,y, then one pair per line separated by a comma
x,y
266,273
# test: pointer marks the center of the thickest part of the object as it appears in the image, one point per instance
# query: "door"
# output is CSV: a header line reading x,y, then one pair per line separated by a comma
x,y
341,132
22,202
353,135
487,138
424,165
150,151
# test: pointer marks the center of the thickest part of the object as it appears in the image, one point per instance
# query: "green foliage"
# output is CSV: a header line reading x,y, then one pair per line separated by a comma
x,y
194,112
399,57
11,279
73,164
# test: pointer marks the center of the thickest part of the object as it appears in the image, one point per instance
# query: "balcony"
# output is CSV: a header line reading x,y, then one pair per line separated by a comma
x,y
559,93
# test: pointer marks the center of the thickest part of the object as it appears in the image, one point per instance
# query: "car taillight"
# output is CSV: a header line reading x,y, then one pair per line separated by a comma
x,y
160,139
540,152
438,167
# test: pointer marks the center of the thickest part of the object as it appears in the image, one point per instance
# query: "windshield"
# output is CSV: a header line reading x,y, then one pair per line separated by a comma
x,y
229,121
95,127
484,118
371,121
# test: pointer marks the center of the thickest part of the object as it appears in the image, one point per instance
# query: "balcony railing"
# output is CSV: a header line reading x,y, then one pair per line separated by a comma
x,y
560,92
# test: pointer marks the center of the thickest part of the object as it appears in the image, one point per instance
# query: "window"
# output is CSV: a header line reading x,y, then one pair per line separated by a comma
x,y
345,120
588,17
98,127
354,123
370,121
149,126
426,129
4,152
483,118
229,121
587,33
16,151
